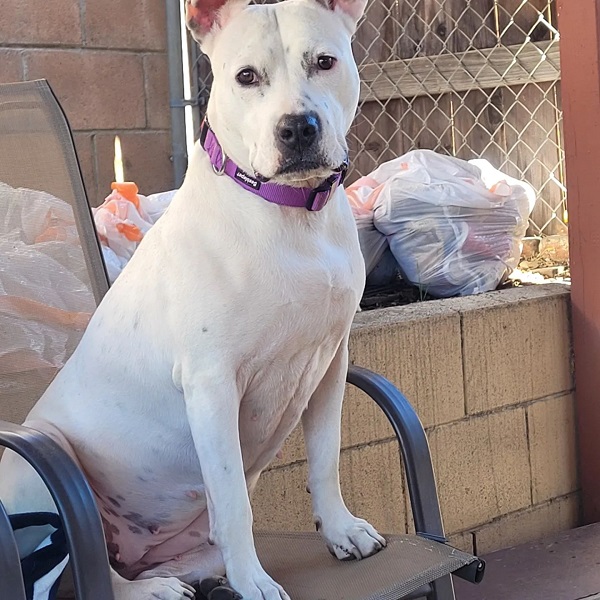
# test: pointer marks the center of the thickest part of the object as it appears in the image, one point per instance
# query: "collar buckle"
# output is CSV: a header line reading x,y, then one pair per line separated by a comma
x,y
321,195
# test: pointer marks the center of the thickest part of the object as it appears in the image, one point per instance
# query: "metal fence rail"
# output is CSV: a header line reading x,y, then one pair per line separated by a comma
x,y
470,78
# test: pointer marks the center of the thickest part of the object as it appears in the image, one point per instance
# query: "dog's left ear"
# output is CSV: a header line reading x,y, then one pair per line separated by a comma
x,y
350,8
204,17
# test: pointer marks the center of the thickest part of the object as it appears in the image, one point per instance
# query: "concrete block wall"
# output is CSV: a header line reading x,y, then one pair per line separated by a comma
x,y
491,378
106,61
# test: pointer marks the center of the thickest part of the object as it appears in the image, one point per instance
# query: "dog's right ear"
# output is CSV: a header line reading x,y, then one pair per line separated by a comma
x,y
204,17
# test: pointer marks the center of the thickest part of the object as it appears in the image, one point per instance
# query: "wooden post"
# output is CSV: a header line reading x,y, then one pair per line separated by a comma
x,y
579,25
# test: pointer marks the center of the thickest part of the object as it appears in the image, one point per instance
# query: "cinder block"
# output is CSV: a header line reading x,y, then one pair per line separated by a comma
x,y
156,76
529,525
85,153
280,501
553,447
293,450
516,347
40,22
372,487
372,482
462,541
482,468
98,90
418,349
118,24
362,420
146,160
12,63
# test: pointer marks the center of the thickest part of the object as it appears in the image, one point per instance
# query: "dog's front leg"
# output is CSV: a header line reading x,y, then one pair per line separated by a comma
x,y
346,536
213,415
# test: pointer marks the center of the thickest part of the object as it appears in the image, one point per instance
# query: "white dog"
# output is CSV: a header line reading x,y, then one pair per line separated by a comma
x,y
230,323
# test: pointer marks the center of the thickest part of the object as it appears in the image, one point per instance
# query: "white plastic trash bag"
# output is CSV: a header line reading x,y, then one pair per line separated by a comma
x,y
454,227
122,224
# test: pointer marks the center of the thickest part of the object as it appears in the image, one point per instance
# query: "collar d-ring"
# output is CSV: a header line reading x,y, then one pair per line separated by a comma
x,y
221,169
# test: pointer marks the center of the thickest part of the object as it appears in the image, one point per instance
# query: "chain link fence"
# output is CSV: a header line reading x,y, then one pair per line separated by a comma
x,y
469,78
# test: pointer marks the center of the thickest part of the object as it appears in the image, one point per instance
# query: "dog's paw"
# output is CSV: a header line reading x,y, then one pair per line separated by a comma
x,y
258,586
350,538
157,588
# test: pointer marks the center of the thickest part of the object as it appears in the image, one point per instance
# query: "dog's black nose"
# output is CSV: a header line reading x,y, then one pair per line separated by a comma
x,y
298,132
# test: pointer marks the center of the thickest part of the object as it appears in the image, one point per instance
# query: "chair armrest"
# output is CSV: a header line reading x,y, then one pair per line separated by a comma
x,y
76,507
413,446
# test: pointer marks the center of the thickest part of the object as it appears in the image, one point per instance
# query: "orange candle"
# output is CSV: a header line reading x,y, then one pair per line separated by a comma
x,y
128,190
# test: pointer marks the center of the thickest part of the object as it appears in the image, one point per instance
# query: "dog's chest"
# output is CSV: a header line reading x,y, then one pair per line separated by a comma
x,y
296,341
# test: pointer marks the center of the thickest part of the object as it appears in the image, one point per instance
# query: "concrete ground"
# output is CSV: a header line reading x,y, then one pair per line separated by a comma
x,y
565,566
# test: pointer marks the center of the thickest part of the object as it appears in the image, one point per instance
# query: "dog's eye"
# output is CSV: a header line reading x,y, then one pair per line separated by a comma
x,y
325,62
247,77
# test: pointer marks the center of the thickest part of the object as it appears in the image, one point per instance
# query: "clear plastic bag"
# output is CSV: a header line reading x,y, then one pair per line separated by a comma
x,y
454,227
45,296
361,196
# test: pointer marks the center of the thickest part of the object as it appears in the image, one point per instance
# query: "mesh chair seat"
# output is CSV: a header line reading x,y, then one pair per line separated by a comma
x,y
301,563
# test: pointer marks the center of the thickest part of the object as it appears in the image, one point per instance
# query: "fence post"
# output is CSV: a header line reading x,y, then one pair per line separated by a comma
x,y
579,25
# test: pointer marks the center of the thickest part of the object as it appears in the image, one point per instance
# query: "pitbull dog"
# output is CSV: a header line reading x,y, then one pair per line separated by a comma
x,y
228,326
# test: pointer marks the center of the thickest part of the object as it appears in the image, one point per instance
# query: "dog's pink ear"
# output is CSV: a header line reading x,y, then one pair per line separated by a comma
x,y
352,8
202,16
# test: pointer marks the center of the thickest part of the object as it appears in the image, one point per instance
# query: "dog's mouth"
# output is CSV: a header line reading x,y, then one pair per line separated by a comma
x,y
303,170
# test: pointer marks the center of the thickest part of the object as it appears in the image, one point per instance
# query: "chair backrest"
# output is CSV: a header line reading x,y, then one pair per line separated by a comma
x,y
51,271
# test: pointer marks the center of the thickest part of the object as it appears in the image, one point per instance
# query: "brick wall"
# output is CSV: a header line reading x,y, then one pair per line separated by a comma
x,y
106,61
491,378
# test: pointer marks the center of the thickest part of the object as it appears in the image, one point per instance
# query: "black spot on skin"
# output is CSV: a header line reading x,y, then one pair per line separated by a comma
x,y
318,524
308,64
112,512
134,529
115,502
204,329
136,322
142,479
141,522
194,534
287,49
120,498
114,529
112,548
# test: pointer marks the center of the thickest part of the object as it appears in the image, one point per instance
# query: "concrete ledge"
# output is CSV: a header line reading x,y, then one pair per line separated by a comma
x,y
491,378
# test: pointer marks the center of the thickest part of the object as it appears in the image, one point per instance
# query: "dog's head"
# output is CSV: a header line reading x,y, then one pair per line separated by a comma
x,y
285,86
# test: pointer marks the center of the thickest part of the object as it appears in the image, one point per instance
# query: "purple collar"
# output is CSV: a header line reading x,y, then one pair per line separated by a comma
x,y
313,199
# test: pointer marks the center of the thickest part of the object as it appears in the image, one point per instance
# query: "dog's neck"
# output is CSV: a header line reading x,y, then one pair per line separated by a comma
x,y
309,198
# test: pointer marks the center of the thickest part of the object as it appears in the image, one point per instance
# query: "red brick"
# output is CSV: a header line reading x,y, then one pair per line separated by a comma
x,y
98,90
11,65
146,159
139,24
85,153
156,76
40,22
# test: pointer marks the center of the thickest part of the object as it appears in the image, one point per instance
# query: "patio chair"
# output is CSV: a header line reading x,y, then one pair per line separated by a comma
x,y
37,153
